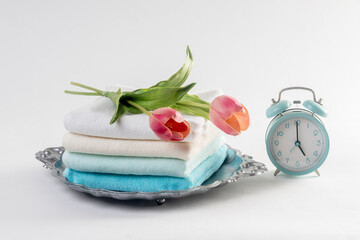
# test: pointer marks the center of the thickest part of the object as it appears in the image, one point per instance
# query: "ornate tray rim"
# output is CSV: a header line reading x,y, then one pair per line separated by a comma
x,y
51,157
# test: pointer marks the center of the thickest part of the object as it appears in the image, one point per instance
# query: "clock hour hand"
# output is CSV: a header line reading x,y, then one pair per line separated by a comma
x,y
301,150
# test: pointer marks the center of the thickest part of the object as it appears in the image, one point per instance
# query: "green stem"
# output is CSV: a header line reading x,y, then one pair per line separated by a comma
x,y
194,104
83,93
139,107
87,87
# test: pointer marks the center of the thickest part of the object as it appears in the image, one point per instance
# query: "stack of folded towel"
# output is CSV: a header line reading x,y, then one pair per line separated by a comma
x,y
127,155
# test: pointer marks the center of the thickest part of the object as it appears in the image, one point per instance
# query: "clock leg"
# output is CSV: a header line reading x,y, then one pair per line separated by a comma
x,y
317,172
277,172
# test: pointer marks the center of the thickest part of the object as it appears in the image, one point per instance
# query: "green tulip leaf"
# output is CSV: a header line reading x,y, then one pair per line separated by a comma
x,y
193,105
178,79
195,100
120,108
154,98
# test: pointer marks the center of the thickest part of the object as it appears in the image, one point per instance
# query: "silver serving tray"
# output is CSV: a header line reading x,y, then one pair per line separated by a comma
x,y
51,157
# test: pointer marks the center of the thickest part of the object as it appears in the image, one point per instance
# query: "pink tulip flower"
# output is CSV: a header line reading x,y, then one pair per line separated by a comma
x,y
229,115
168,124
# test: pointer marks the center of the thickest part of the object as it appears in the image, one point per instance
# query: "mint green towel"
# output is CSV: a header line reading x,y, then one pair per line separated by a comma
x,y
128,165
139,183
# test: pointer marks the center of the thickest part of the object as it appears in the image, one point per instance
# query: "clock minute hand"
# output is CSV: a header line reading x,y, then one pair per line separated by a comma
x,y
297,131
297,143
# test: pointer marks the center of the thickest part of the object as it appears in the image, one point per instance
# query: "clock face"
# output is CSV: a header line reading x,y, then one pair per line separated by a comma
x,y
297,143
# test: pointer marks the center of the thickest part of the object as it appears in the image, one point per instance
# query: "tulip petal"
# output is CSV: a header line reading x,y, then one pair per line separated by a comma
x,y
243,118
160,129
219,122
185,129
169,125
161,118
234,123
176,126
164,114
177,137
178,117
226,106
180,130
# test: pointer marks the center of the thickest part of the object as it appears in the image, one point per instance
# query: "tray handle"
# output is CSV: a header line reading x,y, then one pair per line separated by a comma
x,y
249,167
49,156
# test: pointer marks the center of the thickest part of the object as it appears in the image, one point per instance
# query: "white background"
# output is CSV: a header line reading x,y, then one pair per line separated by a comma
x,y
250,49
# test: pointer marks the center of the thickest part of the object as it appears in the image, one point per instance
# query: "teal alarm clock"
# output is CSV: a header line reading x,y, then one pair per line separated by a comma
x,y
297,142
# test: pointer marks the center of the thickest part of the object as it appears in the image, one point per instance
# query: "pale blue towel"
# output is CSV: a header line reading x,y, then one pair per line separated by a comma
x,y
138,183
127,165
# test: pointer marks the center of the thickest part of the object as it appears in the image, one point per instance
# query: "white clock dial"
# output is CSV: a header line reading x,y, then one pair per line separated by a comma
x,y
297,143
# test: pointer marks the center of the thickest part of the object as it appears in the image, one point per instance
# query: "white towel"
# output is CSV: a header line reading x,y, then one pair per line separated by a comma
x,y
144,166
93,119
141,148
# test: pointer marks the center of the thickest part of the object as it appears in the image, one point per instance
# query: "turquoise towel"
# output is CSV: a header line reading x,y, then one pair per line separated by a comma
x,y
228,168
127,165
138,183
